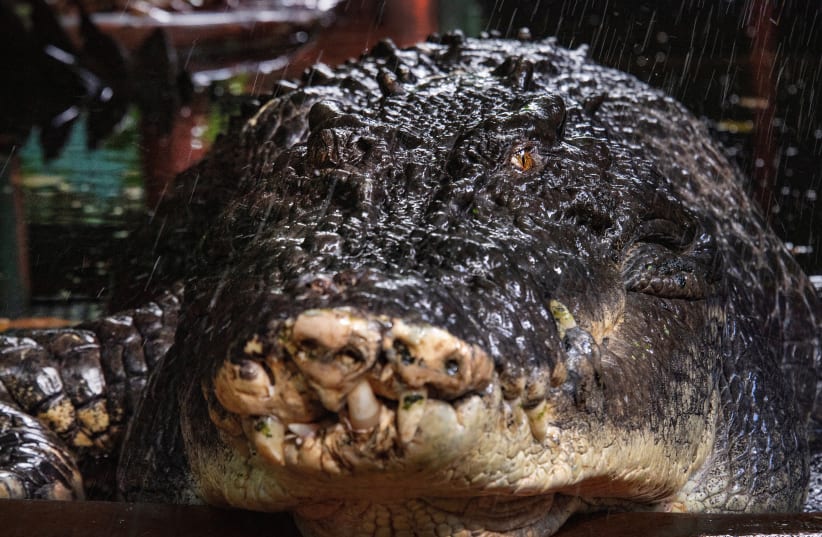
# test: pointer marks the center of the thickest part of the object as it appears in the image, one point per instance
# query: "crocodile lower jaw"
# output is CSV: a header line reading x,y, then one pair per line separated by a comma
x,y
483,516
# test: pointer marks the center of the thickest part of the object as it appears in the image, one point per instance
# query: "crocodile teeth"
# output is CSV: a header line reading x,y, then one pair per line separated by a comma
x,y
267,435
410,409
363,407
304,430
563,317
537,421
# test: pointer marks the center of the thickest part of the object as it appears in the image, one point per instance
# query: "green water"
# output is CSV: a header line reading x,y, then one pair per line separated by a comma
x,y
92,187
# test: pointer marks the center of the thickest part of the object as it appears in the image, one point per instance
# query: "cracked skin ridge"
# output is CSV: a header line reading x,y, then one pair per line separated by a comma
x,y
470,288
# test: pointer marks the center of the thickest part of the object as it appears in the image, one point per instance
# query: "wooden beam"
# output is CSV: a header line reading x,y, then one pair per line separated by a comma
x,y
25,518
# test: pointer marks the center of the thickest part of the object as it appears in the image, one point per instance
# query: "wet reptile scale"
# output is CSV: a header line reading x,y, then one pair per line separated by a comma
x,y
467,288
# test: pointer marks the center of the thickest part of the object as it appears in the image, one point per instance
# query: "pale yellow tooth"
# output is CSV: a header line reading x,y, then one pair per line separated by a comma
x,y
304,430
538,420
363,407
410,409
563,317
267,433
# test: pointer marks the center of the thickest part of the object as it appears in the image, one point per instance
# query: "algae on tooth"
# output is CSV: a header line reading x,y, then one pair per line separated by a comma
x,y
562,317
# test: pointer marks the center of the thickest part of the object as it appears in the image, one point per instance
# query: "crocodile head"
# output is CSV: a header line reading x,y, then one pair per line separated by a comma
x,y
472,296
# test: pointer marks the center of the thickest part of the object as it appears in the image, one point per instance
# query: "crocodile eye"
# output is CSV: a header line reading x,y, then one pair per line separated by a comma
x,y
673,235
654,270
523,159
668,260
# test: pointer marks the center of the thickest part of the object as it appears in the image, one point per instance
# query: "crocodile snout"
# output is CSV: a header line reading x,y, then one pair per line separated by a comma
x,y
332,375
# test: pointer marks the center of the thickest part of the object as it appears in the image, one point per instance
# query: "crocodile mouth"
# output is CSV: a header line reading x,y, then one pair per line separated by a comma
x,y
359,422
335,392
355,421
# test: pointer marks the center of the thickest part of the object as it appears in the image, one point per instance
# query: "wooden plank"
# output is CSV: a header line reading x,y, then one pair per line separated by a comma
x,y
40,518
25,518
687,525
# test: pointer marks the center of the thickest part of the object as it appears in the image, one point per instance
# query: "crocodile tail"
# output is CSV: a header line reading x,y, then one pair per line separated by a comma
x,y
80,386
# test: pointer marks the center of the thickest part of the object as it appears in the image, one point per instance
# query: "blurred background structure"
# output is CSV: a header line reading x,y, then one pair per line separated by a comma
x,y
105,101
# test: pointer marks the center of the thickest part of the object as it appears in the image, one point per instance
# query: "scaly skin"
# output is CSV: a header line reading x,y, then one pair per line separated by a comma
x,y
83,385
471,288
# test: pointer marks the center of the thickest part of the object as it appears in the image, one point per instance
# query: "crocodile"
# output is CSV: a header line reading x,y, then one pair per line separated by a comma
x,y
469,287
